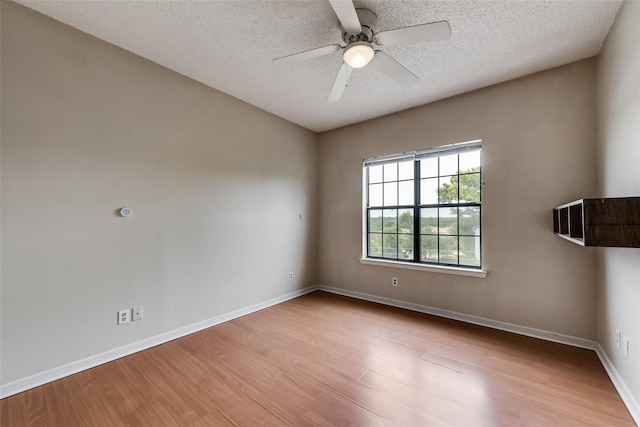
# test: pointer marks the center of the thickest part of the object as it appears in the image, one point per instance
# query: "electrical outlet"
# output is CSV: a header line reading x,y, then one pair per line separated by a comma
x,y
137,313
618,335
123,316
291,276
394,281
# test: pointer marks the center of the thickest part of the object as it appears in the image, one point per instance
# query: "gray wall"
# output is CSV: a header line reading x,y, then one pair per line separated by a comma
x,y
216,187
619,176
539,151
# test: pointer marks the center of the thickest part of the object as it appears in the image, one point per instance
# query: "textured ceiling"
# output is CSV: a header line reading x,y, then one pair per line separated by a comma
x,y
229,45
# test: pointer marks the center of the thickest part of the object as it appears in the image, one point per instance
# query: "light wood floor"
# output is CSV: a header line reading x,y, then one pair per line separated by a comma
x,y
326,360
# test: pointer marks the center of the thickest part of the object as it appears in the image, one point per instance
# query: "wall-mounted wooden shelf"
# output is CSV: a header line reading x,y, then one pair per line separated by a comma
x,y
611,222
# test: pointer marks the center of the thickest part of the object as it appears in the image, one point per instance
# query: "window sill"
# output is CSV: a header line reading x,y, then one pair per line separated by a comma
x,y
460,271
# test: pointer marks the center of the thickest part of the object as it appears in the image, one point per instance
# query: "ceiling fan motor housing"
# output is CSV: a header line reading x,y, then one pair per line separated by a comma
x,y
368,21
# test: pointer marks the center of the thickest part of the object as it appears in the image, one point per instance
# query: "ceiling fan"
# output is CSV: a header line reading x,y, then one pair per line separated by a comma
x,y
363,42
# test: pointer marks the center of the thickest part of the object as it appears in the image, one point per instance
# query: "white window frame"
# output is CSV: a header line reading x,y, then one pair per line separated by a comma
x,y
415,265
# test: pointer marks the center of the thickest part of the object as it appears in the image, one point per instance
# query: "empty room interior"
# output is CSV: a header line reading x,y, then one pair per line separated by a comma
x,y
213,215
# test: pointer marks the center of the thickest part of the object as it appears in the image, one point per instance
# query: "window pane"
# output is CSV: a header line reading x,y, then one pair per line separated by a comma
x,y
390,246
429,167
390,194
429,248
448,190
448,220
448,246
405,221
375,221
405,192
449,165
470,221
445,191
390,172
375,244
469,188
429,191
390,221
470,251
375,195
405,170
469,161
429,221
405,246
375,174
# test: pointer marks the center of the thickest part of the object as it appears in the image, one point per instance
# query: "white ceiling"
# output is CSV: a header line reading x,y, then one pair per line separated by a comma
x,y
229,45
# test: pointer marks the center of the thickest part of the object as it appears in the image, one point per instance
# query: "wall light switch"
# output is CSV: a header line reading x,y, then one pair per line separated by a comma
x,y
625,346
137,313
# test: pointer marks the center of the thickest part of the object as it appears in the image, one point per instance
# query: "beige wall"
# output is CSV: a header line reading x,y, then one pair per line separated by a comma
x,y
216,187
539,151
618,144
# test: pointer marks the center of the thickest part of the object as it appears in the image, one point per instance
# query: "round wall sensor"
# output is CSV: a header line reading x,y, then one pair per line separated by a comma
x,y
125,212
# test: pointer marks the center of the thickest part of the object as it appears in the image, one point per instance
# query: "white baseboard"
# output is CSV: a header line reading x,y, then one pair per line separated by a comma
x,y
476,320
632,404
53,374
45,377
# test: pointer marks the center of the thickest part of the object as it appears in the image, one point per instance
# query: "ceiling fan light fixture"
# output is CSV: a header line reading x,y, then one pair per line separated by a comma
x,y
358,54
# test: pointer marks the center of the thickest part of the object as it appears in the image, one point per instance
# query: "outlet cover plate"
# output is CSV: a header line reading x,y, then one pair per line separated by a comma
x,y
123,316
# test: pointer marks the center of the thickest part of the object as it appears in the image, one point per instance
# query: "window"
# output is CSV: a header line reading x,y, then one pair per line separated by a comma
x,y
425,206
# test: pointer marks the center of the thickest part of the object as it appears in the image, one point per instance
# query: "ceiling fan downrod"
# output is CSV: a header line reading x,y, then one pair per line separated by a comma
x,y
368,23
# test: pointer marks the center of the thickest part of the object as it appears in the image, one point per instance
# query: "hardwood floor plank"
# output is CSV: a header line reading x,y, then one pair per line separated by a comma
x,y
328,360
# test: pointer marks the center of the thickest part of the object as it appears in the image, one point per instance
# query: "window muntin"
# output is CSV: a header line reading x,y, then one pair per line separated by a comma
x,y
426,208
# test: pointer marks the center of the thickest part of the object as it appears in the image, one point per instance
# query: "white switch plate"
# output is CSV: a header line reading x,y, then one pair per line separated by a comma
x,y
123,316
625,346
137,313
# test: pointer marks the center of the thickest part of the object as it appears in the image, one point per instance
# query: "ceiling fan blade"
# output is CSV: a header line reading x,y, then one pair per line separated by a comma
x,y
340,83
394,69
346,12
307,54
431,32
